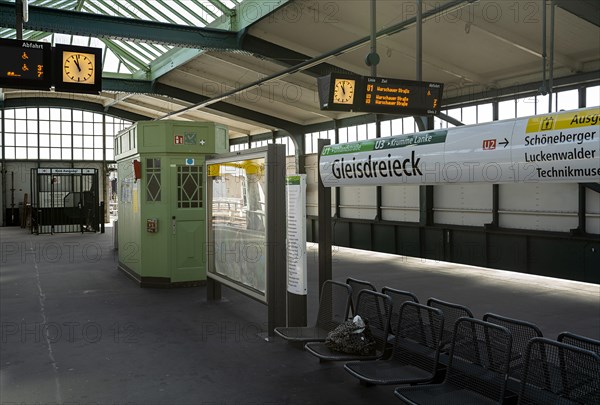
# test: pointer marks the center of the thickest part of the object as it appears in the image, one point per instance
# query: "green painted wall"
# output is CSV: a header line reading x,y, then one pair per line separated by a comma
x,y
171,156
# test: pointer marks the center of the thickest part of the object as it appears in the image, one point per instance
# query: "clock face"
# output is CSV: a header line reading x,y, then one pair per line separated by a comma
x,y
343,92
78,67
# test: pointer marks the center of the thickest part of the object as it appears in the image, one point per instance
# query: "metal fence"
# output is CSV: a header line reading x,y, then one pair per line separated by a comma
x,y
64,200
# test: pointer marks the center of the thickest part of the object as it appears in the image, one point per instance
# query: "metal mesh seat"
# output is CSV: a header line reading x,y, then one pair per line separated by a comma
x,y
522,332
476,373
416,349
398,297
558,373
452,312
357,286
375,309
580,341
334,306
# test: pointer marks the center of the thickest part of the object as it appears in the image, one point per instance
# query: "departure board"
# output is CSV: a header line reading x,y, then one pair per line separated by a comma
x,y
380,95
25,64
393,96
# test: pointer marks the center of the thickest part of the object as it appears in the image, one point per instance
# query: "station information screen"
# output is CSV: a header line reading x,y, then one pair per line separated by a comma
x,y
25,64
338,92
393,96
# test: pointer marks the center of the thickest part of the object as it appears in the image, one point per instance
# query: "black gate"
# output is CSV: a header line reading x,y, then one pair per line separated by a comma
x,y
64,200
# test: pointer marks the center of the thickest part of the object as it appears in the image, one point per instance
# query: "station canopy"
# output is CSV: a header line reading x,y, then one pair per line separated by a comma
x,y
252,65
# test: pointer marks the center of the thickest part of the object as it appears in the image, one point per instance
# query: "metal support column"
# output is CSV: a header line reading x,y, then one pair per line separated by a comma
x,y
324,201
19,14
337,190
551,67
379,189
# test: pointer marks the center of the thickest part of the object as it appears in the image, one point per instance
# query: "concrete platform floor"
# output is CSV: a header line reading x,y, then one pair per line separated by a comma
x,y
75,330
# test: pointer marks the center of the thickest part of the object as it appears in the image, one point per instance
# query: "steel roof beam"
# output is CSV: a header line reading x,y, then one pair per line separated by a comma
x,y
72,103
588,10
228,108
126,29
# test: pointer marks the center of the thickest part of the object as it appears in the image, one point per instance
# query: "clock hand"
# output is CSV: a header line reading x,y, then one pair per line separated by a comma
x,y
77,62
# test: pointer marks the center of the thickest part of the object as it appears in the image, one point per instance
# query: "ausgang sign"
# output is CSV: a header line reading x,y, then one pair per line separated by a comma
x,y
562,147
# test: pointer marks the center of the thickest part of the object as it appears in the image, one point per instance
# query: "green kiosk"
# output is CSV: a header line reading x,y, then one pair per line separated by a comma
x,y
161,227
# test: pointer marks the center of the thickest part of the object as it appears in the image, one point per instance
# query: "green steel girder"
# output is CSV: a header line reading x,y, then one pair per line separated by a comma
x,y
76,23
128,85
170,60
243,19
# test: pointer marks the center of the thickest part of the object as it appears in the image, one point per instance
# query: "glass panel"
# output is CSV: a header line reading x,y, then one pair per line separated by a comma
x,y
77,128
542,104
55,127
526,107
152,179
21,113
506,109
45,127
386,128
20,139
66,141
44,153
238,222
32,140
9,152
485,113
54,140
352,134
32,114
592,96
189,187
66,127
469,115
77,141
567,100
44,140
32,126
9,139
397,126
21,125
21,153
410,126
44,114
9,125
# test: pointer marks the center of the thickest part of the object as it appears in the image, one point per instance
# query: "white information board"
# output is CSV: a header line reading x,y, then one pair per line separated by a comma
x,y
296,234
561,147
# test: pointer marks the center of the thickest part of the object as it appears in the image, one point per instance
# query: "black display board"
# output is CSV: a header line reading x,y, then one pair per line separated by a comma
x,y
25,64
339,92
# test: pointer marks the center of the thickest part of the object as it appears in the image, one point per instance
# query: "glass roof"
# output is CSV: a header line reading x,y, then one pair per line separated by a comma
x,y
126,57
